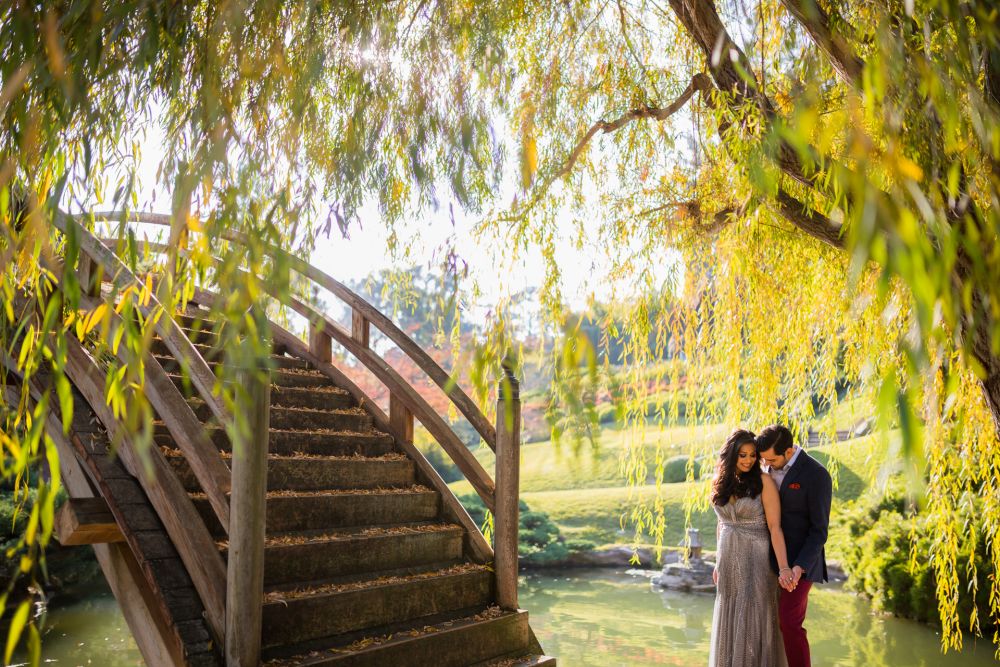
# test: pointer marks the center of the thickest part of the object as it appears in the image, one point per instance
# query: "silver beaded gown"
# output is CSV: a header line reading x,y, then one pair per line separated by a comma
x,y
745,630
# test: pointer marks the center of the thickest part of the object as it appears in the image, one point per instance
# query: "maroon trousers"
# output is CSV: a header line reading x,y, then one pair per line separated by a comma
x,y
791,615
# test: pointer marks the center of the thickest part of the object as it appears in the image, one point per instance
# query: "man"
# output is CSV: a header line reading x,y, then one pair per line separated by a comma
x,y
806,491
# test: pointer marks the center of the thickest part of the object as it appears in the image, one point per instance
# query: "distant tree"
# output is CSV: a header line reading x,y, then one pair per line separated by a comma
x,y
429,306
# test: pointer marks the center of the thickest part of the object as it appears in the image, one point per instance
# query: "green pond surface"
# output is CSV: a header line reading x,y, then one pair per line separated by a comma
x,y
595,618
603,618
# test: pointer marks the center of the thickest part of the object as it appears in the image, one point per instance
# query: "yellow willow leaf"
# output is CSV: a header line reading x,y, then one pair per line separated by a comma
x,y
529,159
11,445
94,318
909,168
16,627
147,292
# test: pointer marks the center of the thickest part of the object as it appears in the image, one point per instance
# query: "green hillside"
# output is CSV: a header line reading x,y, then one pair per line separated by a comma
x,y
584,493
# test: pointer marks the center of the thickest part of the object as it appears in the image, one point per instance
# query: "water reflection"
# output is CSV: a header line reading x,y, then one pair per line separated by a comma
x,y
600,618
594,618
90,631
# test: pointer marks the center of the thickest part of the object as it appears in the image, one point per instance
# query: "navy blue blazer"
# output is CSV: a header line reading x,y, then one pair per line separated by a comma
x,y
806,493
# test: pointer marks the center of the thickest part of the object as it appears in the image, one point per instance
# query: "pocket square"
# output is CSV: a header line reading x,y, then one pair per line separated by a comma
x,y
794,485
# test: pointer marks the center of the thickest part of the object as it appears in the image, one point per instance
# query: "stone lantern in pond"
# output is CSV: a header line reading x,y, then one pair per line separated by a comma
x,y
693,544
693,576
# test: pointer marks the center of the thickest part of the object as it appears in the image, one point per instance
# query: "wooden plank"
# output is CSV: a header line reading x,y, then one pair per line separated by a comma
x,y
508,465
476,545
423,360
405,393
185,428
182,522
360,329
86,521
400,418
245,572
320,344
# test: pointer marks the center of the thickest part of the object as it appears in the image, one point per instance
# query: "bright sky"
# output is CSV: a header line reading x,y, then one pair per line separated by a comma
x,y
427,238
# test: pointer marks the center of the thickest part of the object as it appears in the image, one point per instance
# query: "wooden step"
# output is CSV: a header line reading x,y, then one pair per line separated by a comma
x,y
213,354
332,443
527,660
317,612
316,473
302,419
441,641
195,319
289,511
315,398
303,557
325,397
288,377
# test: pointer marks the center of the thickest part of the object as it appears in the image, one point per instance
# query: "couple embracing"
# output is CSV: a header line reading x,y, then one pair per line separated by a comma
x,y
773,505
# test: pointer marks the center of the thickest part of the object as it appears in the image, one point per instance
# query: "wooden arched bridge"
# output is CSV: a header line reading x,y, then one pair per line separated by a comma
x,y
323,536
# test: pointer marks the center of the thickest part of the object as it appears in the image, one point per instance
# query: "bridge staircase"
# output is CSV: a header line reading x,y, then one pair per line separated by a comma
x,y
326,538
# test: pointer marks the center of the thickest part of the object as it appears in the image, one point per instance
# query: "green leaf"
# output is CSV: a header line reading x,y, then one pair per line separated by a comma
x,y
16,627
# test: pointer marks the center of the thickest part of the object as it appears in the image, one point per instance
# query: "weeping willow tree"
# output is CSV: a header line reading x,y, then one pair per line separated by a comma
x,y
824,175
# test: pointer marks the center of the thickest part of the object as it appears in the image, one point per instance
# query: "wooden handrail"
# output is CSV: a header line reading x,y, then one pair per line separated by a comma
x,y
185,527
179,345
186,430
477,544
360,308
404,392
206,464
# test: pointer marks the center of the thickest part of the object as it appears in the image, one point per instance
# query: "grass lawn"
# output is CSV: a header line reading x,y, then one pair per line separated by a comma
x,y
584,493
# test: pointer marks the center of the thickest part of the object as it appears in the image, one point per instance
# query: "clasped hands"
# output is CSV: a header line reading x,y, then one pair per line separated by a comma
x,y
788,577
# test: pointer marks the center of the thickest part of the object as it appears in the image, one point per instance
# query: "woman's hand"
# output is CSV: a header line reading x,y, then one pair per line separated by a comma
x,y
715,576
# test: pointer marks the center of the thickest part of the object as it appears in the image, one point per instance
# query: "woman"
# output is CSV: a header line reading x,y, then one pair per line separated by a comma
x,y
745,629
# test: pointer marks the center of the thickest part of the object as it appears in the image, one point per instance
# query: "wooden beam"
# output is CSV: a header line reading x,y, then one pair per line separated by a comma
x,y
320,343
245,571
86,521
158,644
508,464
183,524
476,545
185,428
400,418
360,328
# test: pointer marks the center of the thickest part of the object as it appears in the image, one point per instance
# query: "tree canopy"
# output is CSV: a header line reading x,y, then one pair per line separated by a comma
x,y
828,172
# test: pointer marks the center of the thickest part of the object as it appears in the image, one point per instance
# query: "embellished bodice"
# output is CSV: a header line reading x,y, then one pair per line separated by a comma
x,y
745,515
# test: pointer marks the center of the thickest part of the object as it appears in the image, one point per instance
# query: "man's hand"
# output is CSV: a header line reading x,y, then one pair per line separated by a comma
x,y
715,576
786,580
797,573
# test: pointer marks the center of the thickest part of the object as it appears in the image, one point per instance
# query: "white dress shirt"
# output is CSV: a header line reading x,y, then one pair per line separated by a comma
x,y
779,475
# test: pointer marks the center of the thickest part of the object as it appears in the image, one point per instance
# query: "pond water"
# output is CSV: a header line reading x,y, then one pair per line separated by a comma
x,y
603,618
595,618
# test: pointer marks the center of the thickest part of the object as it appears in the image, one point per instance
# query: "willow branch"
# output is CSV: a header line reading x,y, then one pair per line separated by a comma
x,y
733,74
817,23
699,82
808,220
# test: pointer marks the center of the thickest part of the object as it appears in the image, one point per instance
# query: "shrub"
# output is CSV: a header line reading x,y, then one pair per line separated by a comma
x,y
675,469
539,540
878,561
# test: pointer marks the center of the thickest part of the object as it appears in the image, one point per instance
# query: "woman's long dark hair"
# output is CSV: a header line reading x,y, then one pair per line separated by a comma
x,y
728,482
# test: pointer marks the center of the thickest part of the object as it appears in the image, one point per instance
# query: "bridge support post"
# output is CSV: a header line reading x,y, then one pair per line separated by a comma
x,y
508,473
247,515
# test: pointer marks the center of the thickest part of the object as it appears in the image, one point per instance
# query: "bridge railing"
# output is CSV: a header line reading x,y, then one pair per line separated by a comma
x,y
405,403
